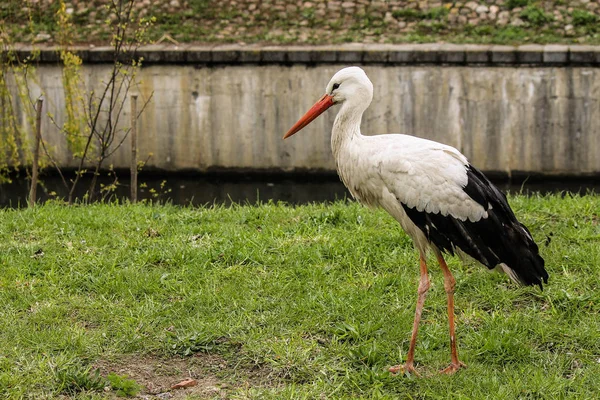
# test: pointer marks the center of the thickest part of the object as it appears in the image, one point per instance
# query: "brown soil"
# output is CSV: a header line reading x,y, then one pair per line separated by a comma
x,y
215,377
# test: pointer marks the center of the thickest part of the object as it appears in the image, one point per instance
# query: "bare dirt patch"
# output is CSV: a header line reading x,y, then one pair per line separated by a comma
x,y
215,377
156,375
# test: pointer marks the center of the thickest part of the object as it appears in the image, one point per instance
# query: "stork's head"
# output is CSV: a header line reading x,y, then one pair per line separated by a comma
x,y
349,85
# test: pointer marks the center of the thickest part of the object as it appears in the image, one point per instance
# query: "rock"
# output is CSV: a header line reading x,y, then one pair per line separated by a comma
x,y
42,37
334,5
502,22
379,6
503,18
482,9
517,22
388,19
494,9
569,30
472,5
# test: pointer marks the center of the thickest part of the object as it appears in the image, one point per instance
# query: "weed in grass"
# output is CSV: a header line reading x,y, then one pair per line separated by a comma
x,y
347,332
201,8
407,13
481,30
517,3
431,27
73,379
123,386
367,355
509,34
536,16
204,342
436,13
584,18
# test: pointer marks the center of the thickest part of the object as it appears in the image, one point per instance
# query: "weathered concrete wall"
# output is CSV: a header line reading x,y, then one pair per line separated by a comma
x,y
540,120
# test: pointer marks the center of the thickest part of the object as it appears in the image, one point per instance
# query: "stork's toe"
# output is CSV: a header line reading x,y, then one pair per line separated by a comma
x,y
453,368
403,369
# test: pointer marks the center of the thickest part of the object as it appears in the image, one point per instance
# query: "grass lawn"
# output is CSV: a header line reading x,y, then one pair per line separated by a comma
x,y
279,302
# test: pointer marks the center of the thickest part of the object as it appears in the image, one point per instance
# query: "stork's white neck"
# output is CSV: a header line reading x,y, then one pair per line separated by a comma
x,y
346,127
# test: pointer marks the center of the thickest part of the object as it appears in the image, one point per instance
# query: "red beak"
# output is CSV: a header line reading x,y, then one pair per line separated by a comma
x,y
320,106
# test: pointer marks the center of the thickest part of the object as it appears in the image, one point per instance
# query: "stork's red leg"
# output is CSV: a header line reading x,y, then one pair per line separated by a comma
x,y
449,283
422,292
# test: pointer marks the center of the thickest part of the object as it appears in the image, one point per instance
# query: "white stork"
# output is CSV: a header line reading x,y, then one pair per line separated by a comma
x,y
442,202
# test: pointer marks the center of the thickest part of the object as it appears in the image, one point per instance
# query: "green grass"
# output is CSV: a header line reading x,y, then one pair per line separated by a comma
x,y
536,16
517,3
278,302
434,13
584,18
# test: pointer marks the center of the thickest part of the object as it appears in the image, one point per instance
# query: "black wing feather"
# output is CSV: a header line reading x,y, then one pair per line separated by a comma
x,y
499,238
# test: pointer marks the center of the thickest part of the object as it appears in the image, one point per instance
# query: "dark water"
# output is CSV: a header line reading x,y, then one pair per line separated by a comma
x,y
241,189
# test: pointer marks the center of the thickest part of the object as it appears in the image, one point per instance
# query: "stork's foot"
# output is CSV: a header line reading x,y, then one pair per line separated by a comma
x,y
453,367
403,369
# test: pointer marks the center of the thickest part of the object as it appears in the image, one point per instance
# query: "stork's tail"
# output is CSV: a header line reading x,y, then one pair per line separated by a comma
x,y
527,268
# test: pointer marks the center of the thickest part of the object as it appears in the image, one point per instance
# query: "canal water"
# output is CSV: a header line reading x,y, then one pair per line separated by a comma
x,y
250,189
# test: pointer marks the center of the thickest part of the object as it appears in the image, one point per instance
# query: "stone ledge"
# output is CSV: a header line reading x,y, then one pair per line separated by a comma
x,y
352,53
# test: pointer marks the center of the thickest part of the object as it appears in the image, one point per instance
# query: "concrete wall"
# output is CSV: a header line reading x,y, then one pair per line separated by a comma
x,y
539,119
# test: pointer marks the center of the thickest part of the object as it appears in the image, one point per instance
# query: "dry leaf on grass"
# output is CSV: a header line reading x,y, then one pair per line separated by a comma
x,y
185,384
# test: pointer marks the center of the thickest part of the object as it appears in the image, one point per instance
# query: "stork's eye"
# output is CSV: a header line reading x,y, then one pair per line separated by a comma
x,y
335,86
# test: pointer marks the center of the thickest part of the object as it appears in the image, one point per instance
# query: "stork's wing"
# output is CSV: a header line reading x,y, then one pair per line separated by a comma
x,y
431,179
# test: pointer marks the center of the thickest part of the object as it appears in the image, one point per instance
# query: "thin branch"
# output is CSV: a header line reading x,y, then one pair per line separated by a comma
x,y
55,164
36,153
